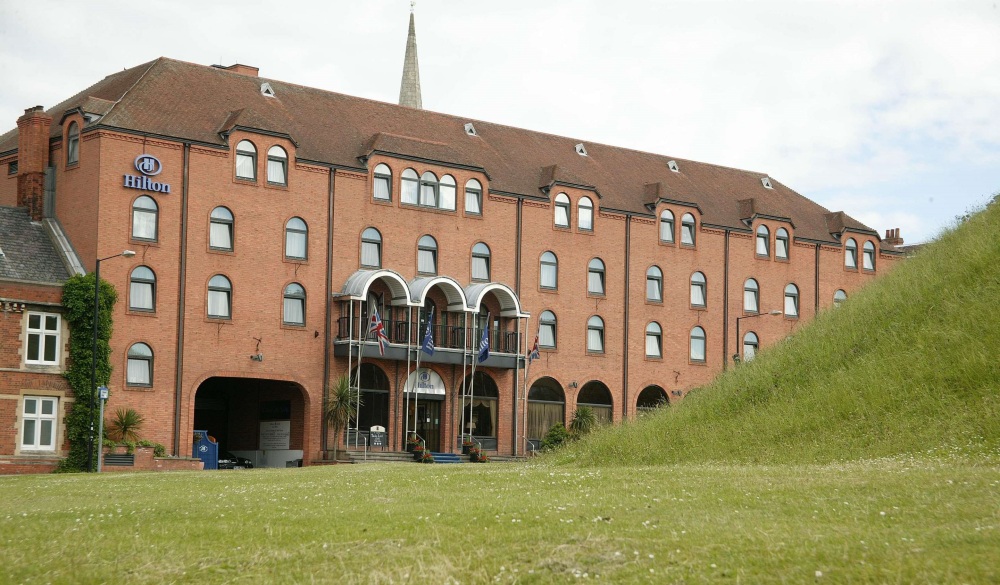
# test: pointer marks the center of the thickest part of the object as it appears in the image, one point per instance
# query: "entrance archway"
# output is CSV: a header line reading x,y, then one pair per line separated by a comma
x,y
651,398
480,410
261,420
546,408
374,409
424,397
597,396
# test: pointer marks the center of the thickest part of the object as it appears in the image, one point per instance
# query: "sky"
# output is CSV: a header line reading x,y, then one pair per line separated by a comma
x,y
889,111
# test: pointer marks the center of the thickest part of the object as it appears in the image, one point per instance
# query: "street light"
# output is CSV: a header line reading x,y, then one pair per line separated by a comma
x,y
736,356
93,356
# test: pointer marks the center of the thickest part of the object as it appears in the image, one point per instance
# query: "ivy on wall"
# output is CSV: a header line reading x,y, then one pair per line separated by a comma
x,y
78,306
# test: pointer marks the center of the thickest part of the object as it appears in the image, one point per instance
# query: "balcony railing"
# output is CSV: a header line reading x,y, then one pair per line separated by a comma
x,y
445,336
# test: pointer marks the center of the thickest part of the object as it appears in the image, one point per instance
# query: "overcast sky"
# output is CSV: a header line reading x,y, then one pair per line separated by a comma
x,y
888,111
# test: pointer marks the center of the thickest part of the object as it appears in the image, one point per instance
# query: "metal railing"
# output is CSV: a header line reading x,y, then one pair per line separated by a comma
x,y
445,336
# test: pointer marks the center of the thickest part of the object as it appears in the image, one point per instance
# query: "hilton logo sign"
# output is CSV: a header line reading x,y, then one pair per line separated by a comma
x,y
149,166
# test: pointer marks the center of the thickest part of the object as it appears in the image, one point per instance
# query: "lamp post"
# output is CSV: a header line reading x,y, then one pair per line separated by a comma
x,y
736,356
93,357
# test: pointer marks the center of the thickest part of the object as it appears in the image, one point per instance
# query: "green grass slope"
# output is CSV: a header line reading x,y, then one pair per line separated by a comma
x,y
908,366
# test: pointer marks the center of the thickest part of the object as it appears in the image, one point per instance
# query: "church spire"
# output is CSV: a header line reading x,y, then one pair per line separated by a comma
x,y
409,88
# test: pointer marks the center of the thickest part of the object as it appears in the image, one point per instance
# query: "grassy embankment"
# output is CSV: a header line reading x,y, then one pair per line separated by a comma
x,y
862,450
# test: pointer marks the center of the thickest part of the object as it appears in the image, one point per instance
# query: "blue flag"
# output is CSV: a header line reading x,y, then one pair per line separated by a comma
x,y
484,343
428,345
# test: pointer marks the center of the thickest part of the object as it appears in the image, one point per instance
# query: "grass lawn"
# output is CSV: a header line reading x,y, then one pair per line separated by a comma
x,y
901,521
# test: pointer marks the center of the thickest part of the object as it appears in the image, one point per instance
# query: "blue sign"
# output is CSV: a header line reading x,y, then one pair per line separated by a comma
x,y
149,166
103,391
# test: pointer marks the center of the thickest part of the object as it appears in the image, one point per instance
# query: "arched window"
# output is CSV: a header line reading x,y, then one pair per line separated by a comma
x,y
791,301
651,398
654,284
382,184
763,241
562,210
750,345
654,340
448,190
751,296
851,254
546,408
277,166
73,144
139,370
220,232
481,262
410,187
596,395
699,292
595,335
427,250
481,407
868,259
371,248
473,197
595,277
547,330
145,219
687,230
839,297
549,271
428,189
220,296
698,345
667,226
296,239
781,244
246,160
585,214
294,309
142,289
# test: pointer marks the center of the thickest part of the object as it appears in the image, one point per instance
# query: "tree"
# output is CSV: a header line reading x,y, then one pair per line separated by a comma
x,y
342,405
125,425
584,420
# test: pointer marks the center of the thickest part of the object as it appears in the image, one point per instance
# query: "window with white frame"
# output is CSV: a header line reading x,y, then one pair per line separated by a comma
x,y
296,239
751,296
142,289
595,334
43,339
549,271
763,241
145,215
294,307
595,277
473,197
371,248
427,250
38,423
220,230
246,160
562,210
687,230
277,166
409,187
547,329
750,345
73,144
382,183
481,262
585,214
447,190
781,244
654,340
654,284
699,290
139,370
868,256
791,301
697,344
667,226
851,254
220,292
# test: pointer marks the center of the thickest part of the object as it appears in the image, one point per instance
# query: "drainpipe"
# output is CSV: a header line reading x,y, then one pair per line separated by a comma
x,y
323,428
181,294
517,250
628,254
725,305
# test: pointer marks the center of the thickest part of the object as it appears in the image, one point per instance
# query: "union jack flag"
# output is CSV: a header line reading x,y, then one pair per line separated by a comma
x,y
534,352
378,330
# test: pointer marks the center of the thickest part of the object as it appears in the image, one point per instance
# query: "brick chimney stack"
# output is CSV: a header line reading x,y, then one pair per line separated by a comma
x,y
892,237
32,158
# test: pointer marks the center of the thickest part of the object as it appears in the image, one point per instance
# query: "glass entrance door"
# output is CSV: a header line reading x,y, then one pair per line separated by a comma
x,y
428,421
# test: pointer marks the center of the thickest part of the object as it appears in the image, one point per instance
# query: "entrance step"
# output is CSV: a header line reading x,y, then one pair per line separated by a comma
x,y
381,457
446,458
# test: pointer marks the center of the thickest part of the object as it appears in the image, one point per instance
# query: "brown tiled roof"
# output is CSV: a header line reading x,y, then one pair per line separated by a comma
x,y
200,103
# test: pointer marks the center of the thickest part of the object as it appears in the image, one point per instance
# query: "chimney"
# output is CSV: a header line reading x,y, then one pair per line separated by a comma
x,y
32,158
247,70
892,237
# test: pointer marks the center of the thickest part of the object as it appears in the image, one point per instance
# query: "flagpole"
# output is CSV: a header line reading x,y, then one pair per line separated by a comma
x,y
361,353
413,390
406,382
472,377
465,355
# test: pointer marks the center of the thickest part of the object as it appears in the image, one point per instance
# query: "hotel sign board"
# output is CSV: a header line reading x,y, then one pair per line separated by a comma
x,y
148,166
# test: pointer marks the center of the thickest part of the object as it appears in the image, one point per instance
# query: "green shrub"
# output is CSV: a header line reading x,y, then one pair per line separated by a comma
x,y
556,436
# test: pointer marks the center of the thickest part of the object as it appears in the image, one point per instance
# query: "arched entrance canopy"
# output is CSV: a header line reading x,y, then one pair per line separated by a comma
x,y
356,287
509,305
419,288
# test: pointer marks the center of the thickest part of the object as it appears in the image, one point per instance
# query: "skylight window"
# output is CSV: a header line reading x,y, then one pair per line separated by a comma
x,y
581,149
470,129
766,181
672,165
266,90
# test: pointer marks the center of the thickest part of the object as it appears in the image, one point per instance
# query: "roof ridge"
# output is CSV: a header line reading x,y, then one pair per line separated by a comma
x,y
152,64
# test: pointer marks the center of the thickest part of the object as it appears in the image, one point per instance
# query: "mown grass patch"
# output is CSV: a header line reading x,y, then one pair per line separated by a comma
x,y
894,520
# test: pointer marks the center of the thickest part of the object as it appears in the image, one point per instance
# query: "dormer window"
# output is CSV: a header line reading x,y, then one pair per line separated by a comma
x,y
266,90
246,161
585,214
781,244
562,210
383,183
470,129
73,144
581,149
687,230
766,181
672,165
667,226
763,242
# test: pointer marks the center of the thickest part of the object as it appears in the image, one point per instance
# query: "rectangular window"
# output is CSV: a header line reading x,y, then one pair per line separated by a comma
x,y
562,215
653,290
425,262
382,188
428,195
547,335
295,244
868,259
480,268
698,349
791,306
548,276
369,254
245,166
687,234
410,191
43,339
138,373
140,295
12,168
762,245
595,340
698,295
667,230
447,197
218,304
220,236
294,312
653,345
473,202
595,283
144,225
276,171
38,423
750,301
781,248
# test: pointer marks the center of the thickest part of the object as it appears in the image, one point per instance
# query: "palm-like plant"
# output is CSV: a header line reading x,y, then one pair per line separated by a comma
x,y
341,406
583,421
125,425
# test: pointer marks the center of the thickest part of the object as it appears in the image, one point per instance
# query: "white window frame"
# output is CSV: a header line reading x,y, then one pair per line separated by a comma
x,y
37,417
42,333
